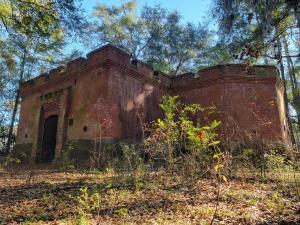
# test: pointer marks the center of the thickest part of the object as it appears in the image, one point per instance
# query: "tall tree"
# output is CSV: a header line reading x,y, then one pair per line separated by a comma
x,y
34,32
177,46
156,36
256,23
260,31
122,27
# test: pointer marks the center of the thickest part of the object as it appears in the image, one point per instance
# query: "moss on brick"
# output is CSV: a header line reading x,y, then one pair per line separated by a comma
x,y
78,152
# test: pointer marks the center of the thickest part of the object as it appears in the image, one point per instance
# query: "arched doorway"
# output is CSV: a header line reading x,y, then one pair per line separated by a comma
x,y
49,139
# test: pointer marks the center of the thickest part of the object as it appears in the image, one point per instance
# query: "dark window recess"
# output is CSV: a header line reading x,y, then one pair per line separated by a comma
x,y
156,74
85,128
49,139
26,136
134,62
75,82
47,77
71,122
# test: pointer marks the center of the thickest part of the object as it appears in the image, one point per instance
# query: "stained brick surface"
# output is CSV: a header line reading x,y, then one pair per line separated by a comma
x,y
110,95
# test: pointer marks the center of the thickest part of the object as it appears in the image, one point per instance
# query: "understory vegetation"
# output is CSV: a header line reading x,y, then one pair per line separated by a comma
x,y
179,173
44,196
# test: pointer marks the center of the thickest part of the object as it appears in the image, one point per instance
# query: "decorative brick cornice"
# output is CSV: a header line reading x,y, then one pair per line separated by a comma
x,y
226,79
110,57
66,77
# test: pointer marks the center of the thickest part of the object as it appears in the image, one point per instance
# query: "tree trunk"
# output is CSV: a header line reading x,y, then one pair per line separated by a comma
x,y
14,113
293,80
297,13
286,100
11,127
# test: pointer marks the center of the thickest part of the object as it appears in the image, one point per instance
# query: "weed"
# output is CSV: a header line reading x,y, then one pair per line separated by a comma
x,y
87,204
66,160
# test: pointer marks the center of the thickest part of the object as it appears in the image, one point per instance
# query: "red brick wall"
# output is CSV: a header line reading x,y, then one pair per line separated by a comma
x,y
247,103
28,114
107,89
86,90
133,102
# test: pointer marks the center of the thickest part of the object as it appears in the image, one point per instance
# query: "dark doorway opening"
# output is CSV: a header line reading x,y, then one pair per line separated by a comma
x,y
47,152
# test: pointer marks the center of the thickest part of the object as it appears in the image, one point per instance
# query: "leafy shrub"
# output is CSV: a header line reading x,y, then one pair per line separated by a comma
x,y
132,156
67,162
21,154
11,161
87,204
276,162
181,138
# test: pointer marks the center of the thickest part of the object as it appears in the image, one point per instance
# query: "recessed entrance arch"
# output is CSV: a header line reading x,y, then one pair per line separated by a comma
x,y
47,152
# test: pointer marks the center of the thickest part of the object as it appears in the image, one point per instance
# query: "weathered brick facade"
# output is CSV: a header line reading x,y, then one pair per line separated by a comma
x,y
110,89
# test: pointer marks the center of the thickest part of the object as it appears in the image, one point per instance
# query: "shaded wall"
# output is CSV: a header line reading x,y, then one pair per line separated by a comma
x,y
110,95
106,95
248,100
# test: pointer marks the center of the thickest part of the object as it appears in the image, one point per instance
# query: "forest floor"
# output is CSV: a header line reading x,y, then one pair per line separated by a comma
x,y
45,196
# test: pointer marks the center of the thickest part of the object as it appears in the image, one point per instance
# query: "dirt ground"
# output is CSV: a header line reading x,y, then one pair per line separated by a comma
x,y
48,196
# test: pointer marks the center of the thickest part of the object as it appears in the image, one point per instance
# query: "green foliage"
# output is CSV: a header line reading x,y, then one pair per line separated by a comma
x,y
33,34
4,132
67,161
40,17
14,160
156,36
278,163
180,138
132,156
120,26
21,154
254,25
11,161
123,212
87,204
216,53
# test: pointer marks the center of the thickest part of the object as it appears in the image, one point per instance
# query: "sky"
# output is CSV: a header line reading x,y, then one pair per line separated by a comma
x,y
194,11
191,10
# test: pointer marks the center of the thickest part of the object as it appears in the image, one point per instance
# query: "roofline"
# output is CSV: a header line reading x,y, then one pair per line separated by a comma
x,y
109,45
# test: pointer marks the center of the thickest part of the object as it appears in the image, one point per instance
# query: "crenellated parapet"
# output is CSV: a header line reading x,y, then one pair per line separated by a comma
x,y
112,57
226,73
107,56
76,64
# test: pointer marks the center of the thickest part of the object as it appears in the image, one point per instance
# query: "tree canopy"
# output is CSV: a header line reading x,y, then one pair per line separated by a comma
x,y
268,32
156,35
32,36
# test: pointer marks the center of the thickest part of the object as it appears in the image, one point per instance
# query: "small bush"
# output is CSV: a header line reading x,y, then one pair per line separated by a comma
x,y
182,139
132,156
87,204
67,162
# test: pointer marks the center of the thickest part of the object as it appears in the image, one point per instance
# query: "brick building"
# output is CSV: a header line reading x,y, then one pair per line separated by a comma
x,y
108,88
